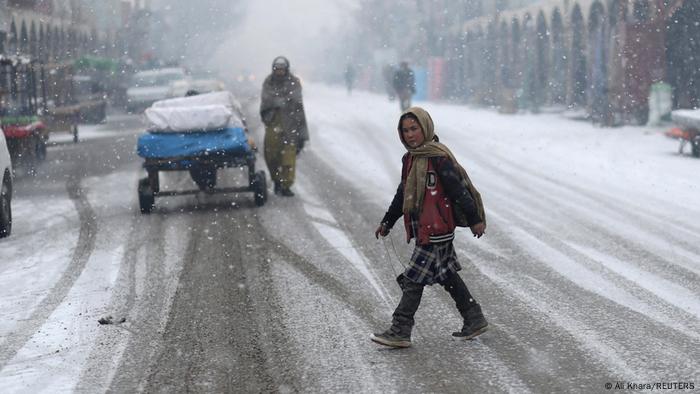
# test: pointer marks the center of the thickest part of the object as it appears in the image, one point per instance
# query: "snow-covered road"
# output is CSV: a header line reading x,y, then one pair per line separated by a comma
x,y
588,273
593,232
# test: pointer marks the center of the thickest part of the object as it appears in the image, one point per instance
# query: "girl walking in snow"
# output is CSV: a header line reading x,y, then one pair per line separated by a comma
x,y
434,196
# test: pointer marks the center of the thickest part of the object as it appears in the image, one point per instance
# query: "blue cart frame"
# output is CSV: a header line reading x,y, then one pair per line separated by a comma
x,y
203,170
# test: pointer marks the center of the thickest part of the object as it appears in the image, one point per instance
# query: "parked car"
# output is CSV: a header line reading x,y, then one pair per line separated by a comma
x,y
5,189
150,86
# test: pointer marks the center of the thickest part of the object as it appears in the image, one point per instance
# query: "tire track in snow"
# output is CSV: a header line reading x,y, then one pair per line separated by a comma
x,y
155,280
542,199
684,234
277,249
518,212
125,297
590,232
141,295
669,291
566,261
350,218
391,162
617,339
81,255
595,232
563,290
361,130
327,282
212,317
332,231
587,339
575,298
545,201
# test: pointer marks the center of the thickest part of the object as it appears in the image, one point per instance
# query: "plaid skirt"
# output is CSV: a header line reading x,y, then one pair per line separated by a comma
x,y
432,263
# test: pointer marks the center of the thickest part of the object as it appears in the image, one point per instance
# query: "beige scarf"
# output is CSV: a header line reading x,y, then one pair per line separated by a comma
x,y
414,189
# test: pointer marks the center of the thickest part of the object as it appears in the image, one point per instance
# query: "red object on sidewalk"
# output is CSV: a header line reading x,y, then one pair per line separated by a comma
x,y
15,131
677,132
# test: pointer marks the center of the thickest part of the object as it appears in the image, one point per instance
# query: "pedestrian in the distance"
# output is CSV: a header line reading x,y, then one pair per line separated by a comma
x,y
349,77
405,85
434,196
282,113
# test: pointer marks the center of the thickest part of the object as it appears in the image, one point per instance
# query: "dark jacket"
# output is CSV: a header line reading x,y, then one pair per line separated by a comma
x,y
281,105
404,80
434,223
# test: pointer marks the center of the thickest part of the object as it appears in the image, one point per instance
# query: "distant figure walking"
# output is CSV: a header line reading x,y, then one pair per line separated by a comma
x,y
282,112
404,85
349,77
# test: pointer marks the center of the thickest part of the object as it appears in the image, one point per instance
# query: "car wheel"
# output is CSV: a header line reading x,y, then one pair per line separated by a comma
x,y
5,208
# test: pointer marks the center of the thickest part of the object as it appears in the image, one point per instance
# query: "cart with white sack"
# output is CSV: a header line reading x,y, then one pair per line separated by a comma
x,y
199,134
687,129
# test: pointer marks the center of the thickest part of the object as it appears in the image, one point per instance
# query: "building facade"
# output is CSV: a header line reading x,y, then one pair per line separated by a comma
x,y
56,30
600,57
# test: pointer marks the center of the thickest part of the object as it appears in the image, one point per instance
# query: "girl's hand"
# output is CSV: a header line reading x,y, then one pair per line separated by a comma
x,y
478,229
381,230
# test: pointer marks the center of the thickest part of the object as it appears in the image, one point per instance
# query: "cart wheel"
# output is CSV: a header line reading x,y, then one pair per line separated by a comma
x,y
260,188
146,196
204,177
75,134
251,171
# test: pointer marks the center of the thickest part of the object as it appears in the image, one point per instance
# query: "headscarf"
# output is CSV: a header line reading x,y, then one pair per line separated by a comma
x,y
414,188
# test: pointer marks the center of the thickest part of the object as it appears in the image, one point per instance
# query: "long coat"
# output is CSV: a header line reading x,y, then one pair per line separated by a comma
x,y
282,106
404,81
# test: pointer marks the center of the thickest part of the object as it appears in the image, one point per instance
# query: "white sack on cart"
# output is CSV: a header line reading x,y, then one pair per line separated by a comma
x,y
192,119
215,98
687,117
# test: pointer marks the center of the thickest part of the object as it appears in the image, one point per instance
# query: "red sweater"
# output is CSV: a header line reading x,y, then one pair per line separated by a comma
x,y
435,222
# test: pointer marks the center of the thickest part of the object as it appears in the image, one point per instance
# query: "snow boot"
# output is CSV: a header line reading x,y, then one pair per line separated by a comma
x,y
391,339
474,323
399,335
402,319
